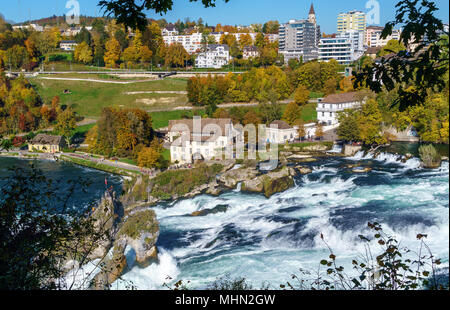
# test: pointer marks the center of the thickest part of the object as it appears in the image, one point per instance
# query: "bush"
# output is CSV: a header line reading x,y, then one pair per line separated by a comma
x,y
429,156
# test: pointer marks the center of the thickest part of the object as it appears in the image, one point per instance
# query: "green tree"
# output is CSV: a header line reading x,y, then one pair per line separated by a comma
x,y
66,124
423,67
392,47
348,129
40,232
292,113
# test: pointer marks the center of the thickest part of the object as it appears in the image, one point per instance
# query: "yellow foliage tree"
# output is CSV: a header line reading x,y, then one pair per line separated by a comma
x,y
112,54
346,84
301,95
292,113
83,53
148,157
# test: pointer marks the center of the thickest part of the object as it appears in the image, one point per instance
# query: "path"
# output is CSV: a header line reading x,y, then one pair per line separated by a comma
x,y
97,81
157,92
107,162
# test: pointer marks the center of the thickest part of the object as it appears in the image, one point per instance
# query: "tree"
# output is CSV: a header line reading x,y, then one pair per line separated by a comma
x,y
393,46
346,84
16,56
41,232
122,38
271,27
301,128
292,113
221,113
319,131
152,38
83,53
245,40
113,52
66,124
424,66
176,55
329,87
83,36
301,96
251,117
228,39
348,129
132,15
148,157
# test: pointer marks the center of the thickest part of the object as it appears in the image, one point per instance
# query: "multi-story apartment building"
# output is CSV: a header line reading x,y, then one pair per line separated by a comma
x,y
35,27
300,38
272,37
373,36
216,56
340,49
346,47
193,43
353,20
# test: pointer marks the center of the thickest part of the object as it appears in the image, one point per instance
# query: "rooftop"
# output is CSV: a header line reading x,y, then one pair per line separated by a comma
x,y
46,139
342,98
205,123
281,125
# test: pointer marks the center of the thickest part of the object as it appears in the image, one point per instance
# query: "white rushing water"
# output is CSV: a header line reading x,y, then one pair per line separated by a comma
x,y
270,239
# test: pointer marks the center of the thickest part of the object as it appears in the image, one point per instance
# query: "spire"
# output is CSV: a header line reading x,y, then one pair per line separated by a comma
x,y
312,15
311,10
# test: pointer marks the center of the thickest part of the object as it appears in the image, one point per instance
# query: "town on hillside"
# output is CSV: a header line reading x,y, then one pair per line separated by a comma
x,y
239,75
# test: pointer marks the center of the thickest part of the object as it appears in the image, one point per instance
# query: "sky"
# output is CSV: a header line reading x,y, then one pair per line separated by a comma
x,y
235,12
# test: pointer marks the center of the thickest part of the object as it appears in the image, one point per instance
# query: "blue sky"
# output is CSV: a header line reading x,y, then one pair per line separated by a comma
x,y
236,12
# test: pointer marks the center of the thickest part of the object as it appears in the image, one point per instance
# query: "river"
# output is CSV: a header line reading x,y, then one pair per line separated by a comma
x,y
267,240
60,173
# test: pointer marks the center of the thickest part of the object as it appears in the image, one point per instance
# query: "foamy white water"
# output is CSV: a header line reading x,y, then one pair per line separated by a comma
x,y
269,239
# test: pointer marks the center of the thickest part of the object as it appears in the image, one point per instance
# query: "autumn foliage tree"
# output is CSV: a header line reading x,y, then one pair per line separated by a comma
x,y
83,53
292,113
113,52
176,56
120,132
301,95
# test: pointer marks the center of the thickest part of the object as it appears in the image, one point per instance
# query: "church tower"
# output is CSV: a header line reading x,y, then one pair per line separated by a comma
x,y
312,15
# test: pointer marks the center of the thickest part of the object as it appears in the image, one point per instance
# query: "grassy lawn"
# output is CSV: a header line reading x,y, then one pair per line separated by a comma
x,y
315,95
161,119
309,112
83,130
88,99
68,66
128,161
166,154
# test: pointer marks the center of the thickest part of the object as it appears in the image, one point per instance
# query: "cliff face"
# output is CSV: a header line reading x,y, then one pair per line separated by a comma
x,y
140,231
114,232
